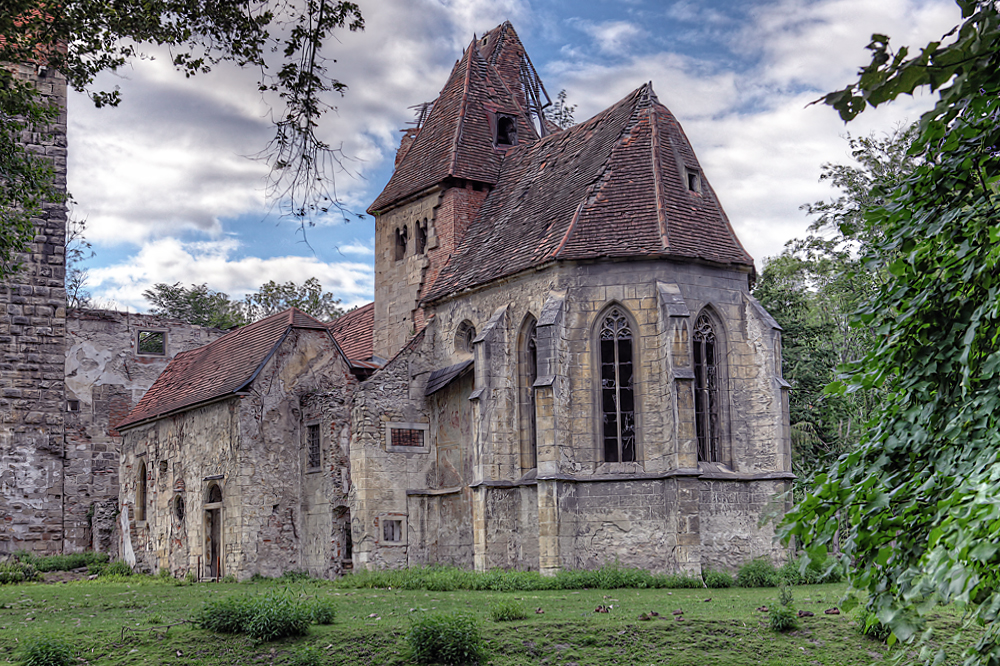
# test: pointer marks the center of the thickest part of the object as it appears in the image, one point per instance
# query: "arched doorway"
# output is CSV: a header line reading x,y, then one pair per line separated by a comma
x,y
213,531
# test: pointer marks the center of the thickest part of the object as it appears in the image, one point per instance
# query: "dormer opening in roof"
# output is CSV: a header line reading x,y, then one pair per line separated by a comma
x,y
692,178
506,130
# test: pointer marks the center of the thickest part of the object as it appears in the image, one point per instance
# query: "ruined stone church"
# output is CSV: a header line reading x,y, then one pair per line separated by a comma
x,y
563,366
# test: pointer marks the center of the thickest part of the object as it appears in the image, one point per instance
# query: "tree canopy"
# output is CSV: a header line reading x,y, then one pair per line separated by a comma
x,y
82,38
918,495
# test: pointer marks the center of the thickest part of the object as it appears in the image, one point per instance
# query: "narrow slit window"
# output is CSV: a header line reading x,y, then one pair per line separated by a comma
x,y
617,388
140,492
401,238
421,243
706,389
314,452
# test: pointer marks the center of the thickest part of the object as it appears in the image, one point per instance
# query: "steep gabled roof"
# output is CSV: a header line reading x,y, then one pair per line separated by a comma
x,y
456,139
353,331
223,367
614,186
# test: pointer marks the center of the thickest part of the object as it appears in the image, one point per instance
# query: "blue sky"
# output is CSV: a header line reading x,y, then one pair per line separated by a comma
x,y
169,193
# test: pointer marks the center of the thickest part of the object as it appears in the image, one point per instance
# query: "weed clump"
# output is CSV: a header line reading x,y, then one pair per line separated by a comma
x,y
717,579
449,639
46,651
783,617
117,568
507,610
13,571
68,562
758,572
264,617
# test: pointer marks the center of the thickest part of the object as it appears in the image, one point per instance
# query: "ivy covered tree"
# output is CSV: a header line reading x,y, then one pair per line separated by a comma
x,y
82,38
918,495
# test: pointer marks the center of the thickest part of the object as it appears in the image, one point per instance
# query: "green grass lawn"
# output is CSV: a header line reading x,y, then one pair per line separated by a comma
x,y
122,623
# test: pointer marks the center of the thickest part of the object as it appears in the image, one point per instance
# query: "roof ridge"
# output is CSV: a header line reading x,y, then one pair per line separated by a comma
x,y
462,106
658,193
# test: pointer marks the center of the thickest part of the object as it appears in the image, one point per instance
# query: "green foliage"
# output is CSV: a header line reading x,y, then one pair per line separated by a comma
x,y
758,572
562,112
805,571
294,576
229,615
917,496
17,571
782,618
264,617
273,298
717,579
117,568
307,656
868,625
507,610
45,651
323,611
445,638
190,577
196,305
63,562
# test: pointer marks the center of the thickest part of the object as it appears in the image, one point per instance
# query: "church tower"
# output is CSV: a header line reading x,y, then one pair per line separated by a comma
x,y
492,103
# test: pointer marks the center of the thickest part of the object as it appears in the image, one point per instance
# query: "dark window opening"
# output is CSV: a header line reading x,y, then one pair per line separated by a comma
x,y
478,187
348,542
214,494
421,243
506,131
140,493
401,238
706,390
392,530
313,446
72,405
179,507
529,373
617,390
464,336
693,180
407,437
152,342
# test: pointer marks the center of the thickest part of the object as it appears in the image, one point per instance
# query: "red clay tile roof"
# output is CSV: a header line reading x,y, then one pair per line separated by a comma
x,y
613,186
456,139
353,331
220,368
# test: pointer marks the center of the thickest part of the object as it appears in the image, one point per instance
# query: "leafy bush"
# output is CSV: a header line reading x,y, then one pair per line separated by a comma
x,y
63,562
507,610
827,571
717,579
46,651
758,572
678,581
263,617
323,611
448,639
117,568
229,615
13,571
783,618
868,625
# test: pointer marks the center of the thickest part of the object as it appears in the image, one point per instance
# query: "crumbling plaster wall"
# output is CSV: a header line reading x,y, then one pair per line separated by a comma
x,y
277,514
32,332
106,378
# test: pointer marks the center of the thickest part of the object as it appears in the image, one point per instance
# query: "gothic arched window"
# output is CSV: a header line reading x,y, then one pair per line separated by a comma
x,y
617,388
706,389
140,492
527,361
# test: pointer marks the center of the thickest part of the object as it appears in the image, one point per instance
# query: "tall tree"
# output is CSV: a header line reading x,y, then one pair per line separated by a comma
x,y
82,38
272,298
918,494
196,305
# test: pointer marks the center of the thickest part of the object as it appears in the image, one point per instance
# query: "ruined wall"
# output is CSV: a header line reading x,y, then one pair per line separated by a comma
x,y
584,511
277,512
32,329
106,375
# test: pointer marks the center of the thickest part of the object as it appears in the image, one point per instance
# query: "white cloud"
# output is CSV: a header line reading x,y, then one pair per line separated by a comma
x,y
611,37
215,263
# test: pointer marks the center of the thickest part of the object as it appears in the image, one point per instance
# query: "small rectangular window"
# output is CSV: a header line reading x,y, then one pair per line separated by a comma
x,y
693,179
152,343
72,405
407,437
313,446
392,530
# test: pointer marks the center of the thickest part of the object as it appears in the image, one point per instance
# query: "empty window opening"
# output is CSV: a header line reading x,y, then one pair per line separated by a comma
x,y
214,494
693,180
406,437
313,446
464,336
72,405
152,343
528,371
178,507
401,238
706,389
617,390
140,492
506,131
392,530
421,240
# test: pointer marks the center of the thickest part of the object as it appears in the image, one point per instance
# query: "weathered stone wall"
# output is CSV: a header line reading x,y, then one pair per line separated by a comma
x,y
651,513
32,330
105,377
277,513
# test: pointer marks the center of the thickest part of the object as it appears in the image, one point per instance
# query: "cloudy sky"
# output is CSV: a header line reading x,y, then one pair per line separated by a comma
x,y
170,193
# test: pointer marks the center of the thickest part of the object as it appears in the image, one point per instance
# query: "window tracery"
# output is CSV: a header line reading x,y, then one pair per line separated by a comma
x,y
706,389
617,387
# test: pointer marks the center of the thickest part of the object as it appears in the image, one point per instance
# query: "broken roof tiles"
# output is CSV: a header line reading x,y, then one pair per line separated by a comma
x,y
219,369
625,183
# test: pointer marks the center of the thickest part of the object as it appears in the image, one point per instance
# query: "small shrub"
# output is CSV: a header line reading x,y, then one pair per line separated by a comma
x,y
783,618
785,596
13,571
64,562
46,651
229,578
164,574
323,611
717,579
678,581
229,615
277,615
869,626
758,572
448,639
191,576
507,610
117,568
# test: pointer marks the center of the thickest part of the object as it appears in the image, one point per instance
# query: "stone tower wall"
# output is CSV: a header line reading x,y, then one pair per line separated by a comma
x,y
32,360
